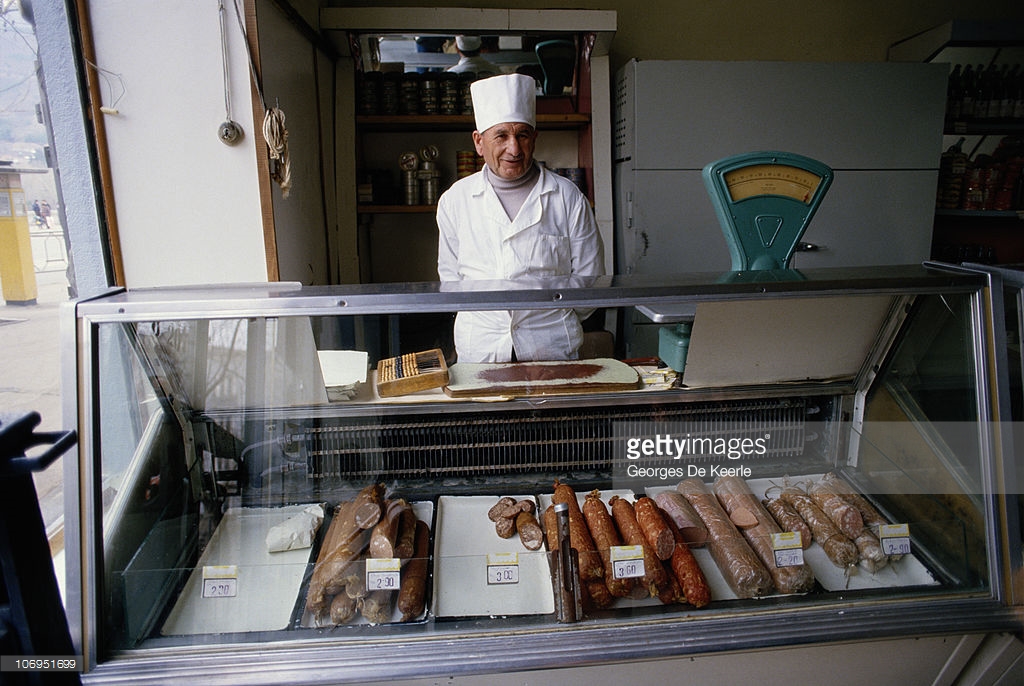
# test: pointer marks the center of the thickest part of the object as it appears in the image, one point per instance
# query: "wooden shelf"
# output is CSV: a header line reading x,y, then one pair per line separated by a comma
x,y
457,122
396,209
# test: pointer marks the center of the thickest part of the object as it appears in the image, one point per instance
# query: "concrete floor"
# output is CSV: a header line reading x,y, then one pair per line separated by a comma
x,y
30,375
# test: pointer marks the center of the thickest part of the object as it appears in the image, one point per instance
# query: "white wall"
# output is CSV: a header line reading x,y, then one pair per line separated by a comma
x,y
188,208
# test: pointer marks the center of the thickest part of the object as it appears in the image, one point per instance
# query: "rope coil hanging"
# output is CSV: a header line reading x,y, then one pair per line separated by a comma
x,y
274,132
276,135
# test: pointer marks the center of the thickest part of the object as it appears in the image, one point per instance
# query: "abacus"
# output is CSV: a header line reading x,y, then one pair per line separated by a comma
x,y
411,372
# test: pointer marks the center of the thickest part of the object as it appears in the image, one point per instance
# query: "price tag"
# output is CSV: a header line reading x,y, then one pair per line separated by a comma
x,y
502,568
383,574
895,538
788,549
627,561
220,581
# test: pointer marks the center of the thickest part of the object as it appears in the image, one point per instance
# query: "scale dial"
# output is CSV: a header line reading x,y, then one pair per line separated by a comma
x,y
771,179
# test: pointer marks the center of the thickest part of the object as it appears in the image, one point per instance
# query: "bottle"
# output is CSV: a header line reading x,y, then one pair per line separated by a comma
x,y
967,93
981,93
1018,97
954,94
995,92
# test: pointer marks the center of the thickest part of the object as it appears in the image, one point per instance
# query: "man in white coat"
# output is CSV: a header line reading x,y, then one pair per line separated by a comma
x,y
515,220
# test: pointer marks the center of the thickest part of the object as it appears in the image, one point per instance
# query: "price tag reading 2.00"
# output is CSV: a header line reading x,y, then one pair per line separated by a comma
x,y
627,561
383,573
502,568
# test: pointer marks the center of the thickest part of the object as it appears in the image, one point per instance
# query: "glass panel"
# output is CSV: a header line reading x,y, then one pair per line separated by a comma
x,y
259,502
921,445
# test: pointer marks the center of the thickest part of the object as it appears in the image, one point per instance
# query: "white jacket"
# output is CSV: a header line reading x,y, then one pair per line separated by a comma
x,y
554,235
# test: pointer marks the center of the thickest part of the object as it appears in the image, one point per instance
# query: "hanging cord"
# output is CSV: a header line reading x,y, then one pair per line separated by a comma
x,y
276,136
224,60
274,131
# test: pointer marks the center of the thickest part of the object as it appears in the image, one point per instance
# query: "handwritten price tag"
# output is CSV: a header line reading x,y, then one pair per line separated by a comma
x,y
627,561
502,568
895,539
383,574
220,581
788,549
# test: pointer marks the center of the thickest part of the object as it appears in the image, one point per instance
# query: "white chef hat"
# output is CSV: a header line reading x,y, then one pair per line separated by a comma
x,y
465,43
504,98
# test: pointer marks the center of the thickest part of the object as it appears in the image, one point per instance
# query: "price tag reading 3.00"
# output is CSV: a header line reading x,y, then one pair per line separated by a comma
x,y
383,573
627,561
502,568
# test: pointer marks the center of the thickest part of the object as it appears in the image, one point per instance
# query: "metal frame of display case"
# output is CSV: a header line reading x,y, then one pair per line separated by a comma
x,y
479,646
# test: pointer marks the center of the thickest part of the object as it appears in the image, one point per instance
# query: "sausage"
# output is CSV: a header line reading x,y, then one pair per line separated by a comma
x,y
343,545
655,579
343,609
656,531
412,590
596,594
689,574
376,606
384,535
681,512
845,516
872,557
497,510
551,528
405,546
789,520
602,528
530,533
673,591
840,549
368,506
505,527
591,567
740,566
734,494
873,519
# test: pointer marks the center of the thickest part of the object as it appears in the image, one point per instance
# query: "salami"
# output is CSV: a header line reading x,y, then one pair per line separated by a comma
x,y
602,528
656,531
591,567
689,574
735,495
739,565
845,516
413,588
839,549
655,579
789,520
678,509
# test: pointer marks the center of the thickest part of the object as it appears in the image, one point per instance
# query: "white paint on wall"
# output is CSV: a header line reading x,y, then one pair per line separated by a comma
x,y
188,208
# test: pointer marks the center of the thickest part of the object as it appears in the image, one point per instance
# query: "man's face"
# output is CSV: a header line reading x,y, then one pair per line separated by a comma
x,y
507,148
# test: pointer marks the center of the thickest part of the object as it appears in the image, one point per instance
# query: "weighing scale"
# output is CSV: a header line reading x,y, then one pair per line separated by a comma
x,y
764,202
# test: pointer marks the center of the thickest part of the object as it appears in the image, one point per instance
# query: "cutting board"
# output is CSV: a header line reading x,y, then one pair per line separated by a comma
x,y
540,378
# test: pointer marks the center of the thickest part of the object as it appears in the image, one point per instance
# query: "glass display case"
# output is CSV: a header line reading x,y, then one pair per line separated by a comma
x,y
277,481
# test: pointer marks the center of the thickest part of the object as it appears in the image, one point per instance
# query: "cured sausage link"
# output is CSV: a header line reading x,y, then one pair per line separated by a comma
x,y
602,528
739,565
591,567
734,494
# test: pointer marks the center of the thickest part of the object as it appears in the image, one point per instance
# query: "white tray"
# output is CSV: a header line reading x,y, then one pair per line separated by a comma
x,y
462,542
268,583
424,512
716,582
907,571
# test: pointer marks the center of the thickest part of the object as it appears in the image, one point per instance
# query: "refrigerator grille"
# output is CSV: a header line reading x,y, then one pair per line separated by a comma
x,y
570,440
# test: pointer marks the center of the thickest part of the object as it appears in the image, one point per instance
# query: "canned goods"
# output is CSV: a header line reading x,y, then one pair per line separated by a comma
x,y
428,94
449,99
409,94
369,92
465,94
